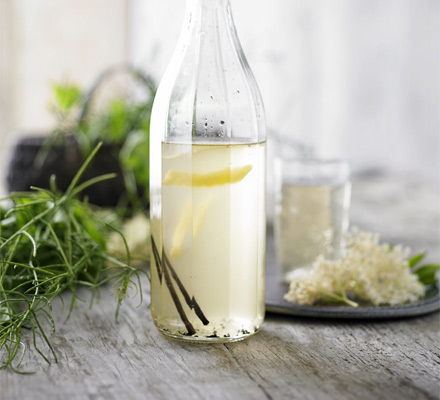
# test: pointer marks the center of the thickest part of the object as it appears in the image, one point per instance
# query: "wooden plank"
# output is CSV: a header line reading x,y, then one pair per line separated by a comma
x,y
290,358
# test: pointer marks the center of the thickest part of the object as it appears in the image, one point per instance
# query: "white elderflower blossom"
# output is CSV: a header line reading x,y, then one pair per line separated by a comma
x,y
369,271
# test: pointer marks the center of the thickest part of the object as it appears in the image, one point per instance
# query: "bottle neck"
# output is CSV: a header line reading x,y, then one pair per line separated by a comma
x,y
207,4
209,91
204,15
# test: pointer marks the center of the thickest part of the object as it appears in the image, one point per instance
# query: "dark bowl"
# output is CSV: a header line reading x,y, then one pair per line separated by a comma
x,y
63,160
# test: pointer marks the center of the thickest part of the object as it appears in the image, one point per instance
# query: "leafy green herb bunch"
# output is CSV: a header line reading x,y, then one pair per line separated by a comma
x,y
51,242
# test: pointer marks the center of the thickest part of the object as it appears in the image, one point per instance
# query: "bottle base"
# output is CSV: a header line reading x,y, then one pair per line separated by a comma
x,y
218,331
206,339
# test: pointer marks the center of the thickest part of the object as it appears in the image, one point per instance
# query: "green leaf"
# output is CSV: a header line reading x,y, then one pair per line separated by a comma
x,y
134,156
89,224
118,119
83,167
414,260
66,96
427,274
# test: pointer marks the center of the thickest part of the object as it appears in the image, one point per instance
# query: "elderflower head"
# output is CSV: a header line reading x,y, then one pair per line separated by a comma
x,y
369,271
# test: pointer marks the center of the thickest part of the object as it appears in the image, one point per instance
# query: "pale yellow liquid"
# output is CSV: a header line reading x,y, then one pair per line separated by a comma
x,y
310,220
213,231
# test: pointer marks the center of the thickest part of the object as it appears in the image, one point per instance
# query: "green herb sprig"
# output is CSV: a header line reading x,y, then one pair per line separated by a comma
x,y
425,273
51,242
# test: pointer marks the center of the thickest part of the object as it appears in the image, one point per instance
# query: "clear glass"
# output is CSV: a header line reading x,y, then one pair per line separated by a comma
x,y
207,185
312,200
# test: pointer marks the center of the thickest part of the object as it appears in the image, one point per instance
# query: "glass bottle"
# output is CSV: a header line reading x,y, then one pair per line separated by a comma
x,y
207,185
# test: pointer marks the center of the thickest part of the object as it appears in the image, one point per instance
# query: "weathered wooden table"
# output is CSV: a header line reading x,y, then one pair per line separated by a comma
x,y
290,358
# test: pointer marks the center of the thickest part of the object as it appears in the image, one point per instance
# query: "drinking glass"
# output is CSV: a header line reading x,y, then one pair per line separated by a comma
x,y
312,199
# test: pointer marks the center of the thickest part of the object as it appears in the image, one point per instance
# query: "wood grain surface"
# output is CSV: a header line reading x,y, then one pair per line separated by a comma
x,y
291,358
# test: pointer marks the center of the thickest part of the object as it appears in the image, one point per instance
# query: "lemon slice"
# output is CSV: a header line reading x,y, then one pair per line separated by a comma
x,y
184,224
181,229
201,214
215,178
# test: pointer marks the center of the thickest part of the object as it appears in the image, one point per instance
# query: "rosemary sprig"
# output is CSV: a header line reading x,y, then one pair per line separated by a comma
x,y
51,242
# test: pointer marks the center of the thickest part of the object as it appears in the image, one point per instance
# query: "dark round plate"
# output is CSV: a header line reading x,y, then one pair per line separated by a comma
x,y
275,303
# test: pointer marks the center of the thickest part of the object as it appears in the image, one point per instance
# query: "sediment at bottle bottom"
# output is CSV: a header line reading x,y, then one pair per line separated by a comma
x,y
221,331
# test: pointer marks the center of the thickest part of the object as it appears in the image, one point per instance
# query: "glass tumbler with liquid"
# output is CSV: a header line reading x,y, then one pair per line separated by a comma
x,y
207,185
312,199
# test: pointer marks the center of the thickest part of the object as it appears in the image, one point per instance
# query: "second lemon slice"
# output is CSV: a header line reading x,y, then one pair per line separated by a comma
x,y
216,178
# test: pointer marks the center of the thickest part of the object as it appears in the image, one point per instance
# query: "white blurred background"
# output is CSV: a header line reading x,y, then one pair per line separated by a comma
x,y
351,78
